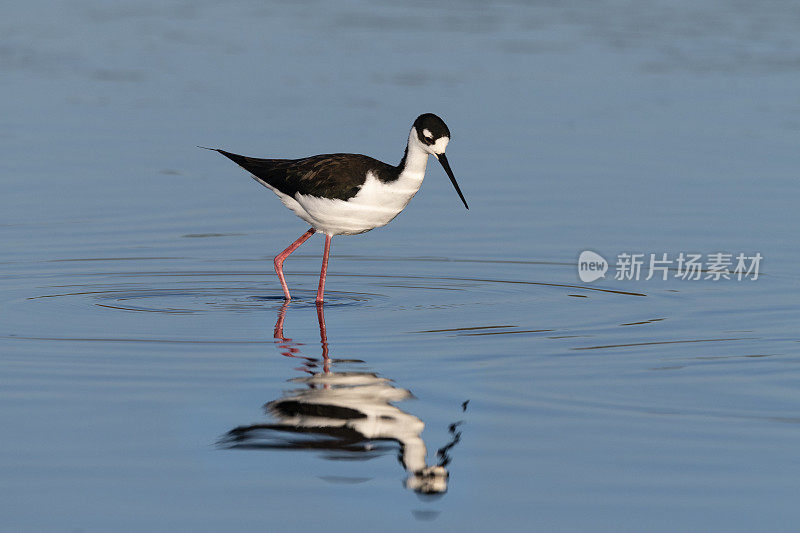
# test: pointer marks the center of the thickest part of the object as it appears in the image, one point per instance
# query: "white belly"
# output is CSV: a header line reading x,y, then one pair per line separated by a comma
x,y
375,205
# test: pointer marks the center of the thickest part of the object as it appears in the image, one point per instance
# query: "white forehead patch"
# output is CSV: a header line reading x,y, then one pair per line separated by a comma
x,y
440,145
427,133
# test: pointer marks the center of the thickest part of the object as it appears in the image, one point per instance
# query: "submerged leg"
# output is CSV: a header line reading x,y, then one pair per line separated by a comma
x,y
324,272
278,332
284,254
323,338
288,347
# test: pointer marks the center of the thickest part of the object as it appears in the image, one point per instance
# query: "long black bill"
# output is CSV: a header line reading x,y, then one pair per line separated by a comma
x,y
446,166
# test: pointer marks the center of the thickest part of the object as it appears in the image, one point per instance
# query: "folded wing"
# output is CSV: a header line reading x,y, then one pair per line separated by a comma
x,y
336,176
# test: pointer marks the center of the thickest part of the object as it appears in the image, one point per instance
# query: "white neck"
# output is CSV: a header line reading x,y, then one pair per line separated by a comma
x,y
416,157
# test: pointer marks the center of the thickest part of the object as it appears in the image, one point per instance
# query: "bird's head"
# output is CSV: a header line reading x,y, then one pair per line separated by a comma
x,y
432,135
430,481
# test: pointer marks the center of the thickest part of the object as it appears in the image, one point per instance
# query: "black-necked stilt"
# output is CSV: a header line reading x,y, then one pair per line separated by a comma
x,y
348,194
344,412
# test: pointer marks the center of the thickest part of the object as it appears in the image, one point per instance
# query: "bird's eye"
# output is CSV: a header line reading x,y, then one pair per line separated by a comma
x,y
428,135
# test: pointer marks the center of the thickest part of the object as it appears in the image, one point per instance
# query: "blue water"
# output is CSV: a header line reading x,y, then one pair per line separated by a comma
x,y
146,387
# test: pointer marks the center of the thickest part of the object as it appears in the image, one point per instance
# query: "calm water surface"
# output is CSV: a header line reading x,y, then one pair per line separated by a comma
x,y
460,375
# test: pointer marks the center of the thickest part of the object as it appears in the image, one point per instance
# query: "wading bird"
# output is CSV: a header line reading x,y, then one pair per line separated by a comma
x,y
348,194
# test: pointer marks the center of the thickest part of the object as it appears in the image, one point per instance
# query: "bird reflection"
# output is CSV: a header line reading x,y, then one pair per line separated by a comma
x,y
347,415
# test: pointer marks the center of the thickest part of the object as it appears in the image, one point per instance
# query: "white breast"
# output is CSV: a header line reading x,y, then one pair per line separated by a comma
x,y
375,205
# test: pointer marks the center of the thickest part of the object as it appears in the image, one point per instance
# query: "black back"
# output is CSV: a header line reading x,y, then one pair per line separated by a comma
x,y
337,176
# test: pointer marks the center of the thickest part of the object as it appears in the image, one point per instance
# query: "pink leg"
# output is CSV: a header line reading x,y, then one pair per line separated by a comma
x,y
289,348
278,332
321,290
323,338
284,254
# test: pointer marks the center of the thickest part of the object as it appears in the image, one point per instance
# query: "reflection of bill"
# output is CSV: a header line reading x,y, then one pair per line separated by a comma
x,y
344,412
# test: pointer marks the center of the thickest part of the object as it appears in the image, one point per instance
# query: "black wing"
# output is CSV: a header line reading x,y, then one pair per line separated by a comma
x,y
338,176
